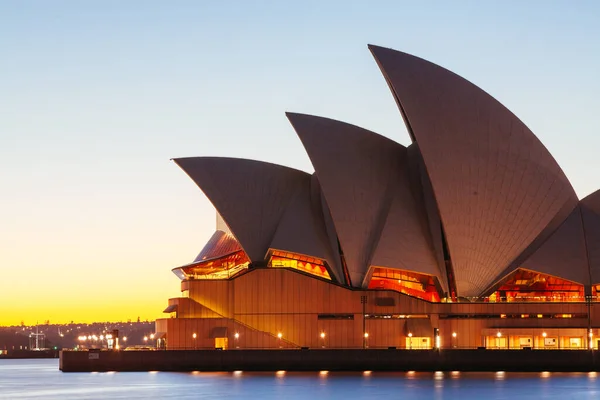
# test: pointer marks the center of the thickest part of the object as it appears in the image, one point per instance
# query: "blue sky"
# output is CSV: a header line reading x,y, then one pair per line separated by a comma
x,y
97,96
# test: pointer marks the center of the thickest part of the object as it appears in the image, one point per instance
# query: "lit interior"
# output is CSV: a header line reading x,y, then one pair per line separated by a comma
x,y
531,286
223,267
309,265
596,291
411,283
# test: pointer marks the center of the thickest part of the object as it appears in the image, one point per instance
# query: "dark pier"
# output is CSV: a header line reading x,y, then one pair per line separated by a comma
x,y
331,360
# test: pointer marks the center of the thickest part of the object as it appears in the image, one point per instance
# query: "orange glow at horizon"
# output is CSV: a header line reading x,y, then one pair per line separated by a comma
x,y
71,266
90,304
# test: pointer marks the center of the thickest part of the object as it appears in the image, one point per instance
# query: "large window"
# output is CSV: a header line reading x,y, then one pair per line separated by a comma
x,y
596,292
529,286
224,267
411,283
309,265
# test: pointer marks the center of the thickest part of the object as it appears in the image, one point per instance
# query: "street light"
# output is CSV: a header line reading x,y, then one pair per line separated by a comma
x,y
454,339
194,337
410,340
323,338
363,301
236,336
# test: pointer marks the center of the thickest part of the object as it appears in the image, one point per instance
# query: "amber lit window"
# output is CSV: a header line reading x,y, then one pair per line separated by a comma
x,y
596,292
411,283
530,286
395,316
309,265
224,267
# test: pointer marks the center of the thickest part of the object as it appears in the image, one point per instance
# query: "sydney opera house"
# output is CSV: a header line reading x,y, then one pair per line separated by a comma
x,y
470,237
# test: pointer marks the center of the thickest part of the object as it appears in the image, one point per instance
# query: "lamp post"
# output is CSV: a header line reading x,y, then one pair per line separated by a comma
x,y
279,336
194,337
323,339
454,339
236,337
363,301
410,340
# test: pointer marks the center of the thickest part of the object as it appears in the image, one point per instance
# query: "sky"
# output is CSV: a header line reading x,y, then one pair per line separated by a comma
x,y
97,96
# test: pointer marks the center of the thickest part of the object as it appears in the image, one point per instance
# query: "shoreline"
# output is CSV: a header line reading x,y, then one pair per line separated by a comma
x,y
26,354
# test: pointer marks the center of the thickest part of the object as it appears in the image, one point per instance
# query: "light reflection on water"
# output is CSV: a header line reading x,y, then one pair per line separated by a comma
x,y
25,379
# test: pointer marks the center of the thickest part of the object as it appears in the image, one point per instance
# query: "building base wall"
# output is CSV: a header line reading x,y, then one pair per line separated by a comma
x,y
331,360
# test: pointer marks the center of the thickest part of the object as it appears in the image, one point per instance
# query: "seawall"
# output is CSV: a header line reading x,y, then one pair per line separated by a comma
x,y
17,354
331,360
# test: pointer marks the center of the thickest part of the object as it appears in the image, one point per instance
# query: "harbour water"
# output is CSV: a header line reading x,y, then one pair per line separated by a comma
x,y
35,379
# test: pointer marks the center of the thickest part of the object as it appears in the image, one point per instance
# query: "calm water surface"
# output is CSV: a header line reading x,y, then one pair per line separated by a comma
x,y
31,379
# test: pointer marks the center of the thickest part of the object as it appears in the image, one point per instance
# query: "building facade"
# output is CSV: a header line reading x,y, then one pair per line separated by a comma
x,y
472,236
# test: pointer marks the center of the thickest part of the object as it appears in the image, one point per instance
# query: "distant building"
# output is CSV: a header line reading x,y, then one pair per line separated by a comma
x,y
471,236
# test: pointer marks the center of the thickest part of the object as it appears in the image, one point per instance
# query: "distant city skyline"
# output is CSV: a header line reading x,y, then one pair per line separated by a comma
x,y
97,97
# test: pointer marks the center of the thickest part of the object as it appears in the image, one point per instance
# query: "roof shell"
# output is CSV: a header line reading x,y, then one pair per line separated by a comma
x,y
497,187
302,229
364,177
251,196
590,211
220,244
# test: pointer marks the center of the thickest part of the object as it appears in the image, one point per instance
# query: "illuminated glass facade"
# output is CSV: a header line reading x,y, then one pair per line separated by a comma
x,y
530,286
223,267
411,283
309,265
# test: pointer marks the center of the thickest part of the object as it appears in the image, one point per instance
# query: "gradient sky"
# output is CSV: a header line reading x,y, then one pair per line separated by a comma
x,y
96,97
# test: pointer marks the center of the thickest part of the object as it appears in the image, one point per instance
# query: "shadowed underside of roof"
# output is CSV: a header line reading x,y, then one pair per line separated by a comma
x,y
496,186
